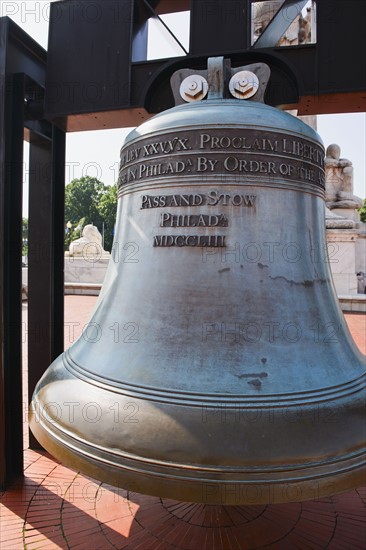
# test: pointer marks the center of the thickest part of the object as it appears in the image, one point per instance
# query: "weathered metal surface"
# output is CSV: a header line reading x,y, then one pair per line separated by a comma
x,y
217,366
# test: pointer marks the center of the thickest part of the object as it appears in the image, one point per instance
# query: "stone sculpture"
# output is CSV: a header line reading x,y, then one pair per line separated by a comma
x,y
89,246
339,181
333,221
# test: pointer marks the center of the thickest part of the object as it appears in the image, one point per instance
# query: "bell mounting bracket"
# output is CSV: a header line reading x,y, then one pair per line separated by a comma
x,y
221,81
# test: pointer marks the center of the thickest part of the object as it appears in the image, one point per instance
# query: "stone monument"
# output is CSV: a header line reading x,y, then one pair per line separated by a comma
x,y
345,233
89,246
86,263
334,221
339,181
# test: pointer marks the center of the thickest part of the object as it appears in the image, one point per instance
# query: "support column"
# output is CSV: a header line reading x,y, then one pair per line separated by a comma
x,y
46,255
11,188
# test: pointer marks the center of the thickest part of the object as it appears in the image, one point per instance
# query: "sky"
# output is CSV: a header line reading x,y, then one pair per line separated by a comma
x,y
97,153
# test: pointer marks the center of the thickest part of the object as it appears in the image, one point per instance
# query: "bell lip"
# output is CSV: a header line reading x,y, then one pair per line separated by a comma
x,y
193,115
185,398
285,484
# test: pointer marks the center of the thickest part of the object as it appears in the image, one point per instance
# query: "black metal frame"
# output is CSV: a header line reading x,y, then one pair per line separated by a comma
x,y
45,253
11,183
314,78
22,77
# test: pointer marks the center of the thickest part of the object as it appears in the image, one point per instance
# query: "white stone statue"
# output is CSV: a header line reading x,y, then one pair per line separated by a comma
x,y
333,221
89,246
339,181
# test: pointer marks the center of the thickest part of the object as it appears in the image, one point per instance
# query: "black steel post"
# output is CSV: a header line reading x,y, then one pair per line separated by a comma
x,y
11,186
58,235
46,269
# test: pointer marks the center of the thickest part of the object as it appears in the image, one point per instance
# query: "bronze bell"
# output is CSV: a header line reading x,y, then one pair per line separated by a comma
x,y
217,366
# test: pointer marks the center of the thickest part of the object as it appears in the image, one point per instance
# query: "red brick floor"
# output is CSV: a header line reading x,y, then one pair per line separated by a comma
x,y
54,507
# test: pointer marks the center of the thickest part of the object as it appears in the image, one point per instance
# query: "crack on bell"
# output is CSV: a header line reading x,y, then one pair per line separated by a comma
x,y
253,374
307,283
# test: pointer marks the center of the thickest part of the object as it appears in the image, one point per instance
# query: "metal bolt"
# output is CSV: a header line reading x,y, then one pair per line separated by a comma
x,y
244,85
193,88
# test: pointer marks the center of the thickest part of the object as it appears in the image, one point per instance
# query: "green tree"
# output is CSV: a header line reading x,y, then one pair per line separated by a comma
x,y
88,200
82,198
362,212
107,208
25,237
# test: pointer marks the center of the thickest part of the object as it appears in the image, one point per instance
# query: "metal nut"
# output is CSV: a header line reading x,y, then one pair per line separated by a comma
x,y
193,88
244,85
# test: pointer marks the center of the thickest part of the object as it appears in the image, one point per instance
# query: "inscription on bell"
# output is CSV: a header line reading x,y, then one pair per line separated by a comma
x,y
211,241
212,198
298,148
242,153
155,148
198,220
